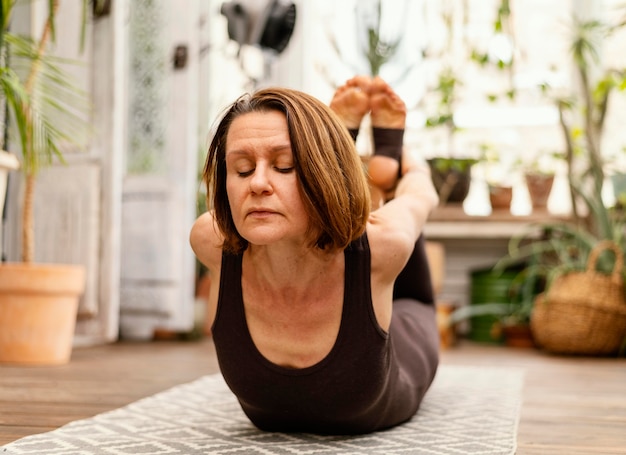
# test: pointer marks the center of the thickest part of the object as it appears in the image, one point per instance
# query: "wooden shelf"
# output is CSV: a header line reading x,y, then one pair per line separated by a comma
x,y
450,221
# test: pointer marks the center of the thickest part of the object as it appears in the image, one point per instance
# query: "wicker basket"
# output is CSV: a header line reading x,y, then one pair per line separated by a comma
x,y
583,312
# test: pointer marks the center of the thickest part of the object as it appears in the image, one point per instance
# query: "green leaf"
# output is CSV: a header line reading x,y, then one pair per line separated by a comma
x,y
52,114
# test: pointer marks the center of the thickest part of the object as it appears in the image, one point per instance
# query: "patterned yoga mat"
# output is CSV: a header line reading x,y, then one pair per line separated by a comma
x,y
468,410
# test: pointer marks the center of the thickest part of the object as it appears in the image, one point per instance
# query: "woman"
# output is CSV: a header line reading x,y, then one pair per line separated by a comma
x,y
307,331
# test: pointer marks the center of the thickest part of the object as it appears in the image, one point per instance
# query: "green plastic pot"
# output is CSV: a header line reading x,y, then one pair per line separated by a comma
x,y
489,287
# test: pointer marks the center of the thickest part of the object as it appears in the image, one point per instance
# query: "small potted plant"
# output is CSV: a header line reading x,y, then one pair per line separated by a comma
x,y
501,303
451,174
38,302
451,168
539,175
498,166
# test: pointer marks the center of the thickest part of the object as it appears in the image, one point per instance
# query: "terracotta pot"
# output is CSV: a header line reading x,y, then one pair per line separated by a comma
x,y
539,188
500,197
518,336
38,308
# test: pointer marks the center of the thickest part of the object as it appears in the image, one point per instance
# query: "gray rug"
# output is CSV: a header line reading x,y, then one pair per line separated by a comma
x,y
468,410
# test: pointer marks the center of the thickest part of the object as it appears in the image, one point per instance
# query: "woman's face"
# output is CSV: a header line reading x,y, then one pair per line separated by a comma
x,y
261,180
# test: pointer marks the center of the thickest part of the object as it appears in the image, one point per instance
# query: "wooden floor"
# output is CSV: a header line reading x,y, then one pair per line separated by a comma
x,y
571,406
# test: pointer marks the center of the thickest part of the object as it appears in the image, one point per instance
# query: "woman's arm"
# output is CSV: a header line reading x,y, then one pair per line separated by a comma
x,y
394,228
416,194
415,197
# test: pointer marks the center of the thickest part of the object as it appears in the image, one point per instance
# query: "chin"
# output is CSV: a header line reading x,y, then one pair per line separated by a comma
x,y
260,238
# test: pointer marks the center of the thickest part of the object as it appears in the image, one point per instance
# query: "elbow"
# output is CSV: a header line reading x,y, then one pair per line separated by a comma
x,y
419,187
432,197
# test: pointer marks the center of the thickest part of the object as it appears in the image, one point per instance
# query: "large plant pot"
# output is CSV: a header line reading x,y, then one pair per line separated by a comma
x,y
38,308
489,287
452,178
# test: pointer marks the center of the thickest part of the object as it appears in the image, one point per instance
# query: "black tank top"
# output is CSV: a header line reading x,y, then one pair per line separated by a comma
x,y
358,387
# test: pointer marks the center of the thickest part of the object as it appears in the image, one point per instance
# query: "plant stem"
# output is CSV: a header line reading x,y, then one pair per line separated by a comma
x,y
41,48
569,158
28,227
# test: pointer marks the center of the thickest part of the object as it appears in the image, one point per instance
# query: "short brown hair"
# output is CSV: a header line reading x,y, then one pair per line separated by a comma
x,y
331,178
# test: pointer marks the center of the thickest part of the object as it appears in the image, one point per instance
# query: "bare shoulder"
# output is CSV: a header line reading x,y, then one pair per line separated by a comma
x,y
206,241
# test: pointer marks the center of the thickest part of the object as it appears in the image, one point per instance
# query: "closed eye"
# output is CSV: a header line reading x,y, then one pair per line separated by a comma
x,y
285,170
245,173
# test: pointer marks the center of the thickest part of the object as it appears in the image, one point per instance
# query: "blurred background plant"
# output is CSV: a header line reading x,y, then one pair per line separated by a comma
x,y
501,50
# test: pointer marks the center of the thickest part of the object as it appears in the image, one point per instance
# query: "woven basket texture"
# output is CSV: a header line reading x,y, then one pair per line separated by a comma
x,y
583,312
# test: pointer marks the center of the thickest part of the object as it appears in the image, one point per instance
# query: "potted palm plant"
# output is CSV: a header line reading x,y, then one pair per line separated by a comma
x,y
38,302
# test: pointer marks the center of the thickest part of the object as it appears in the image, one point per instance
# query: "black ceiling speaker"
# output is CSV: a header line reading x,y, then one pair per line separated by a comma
x,y
275,26
271,30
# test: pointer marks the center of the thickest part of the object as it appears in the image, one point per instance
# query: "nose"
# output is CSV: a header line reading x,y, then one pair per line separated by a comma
x,y
260,181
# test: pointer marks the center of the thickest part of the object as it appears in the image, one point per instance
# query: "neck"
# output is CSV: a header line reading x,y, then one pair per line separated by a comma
x,y
297,268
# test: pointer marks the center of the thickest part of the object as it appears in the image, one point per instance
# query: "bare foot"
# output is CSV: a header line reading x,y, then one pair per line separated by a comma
x,y
351,101
388,109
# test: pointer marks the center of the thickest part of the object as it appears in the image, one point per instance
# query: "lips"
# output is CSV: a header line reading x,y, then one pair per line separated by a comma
x,y
260,212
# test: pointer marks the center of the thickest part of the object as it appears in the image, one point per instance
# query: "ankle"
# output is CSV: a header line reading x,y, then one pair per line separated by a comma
x,y
388,142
